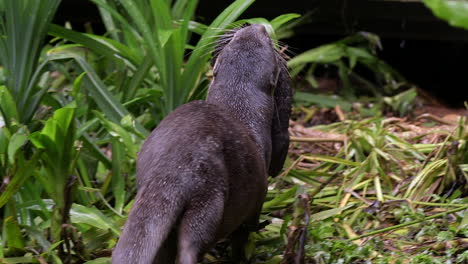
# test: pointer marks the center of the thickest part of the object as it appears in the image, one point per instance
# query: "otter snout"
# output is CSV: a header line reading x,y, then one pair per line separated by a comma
x,y
260,28
252,32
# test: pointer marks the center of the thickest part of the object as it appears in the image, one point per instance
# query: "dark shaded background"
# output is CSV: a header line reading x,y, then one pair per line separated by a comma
x,y
426,50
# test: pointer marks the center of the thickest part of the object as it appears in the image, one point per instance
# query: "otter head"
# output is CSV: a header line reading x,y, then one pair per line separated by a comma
x,y
248,56
247,62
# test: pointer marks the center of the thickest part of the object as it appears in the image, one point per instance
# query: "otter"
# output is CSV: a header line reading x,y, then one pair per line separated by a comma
x,y
202,173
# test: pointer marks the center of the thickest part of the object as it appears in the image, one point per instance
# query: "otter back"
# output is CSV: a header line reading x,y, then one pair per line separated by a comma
x,y
202,172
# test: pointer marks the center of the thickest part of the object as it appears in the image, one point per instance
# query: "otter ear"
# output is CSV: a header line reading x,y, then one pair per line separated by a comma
x,y
280,123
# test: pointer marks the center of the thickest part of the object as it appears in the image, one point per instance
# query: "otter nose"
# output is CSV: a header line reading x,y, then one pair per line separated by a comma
x,y
260,28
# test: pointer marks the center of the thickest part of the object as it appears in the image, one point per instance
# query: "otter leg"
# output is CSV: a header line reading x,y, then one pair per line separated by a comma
x,y
239,240
168,251
198,227
240,237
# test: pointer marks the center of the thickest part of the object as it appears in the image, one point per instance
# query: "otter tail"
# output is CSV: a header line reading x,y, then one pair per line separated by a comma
x,y
150,221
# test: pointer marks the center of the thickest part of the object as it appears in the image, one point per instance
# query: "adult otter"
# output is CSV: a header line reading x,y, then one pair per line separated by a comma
x,y
202,173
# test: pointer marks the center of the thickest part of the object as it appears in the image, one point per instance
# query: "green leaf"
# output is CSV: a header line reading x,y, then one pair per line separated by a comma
x,y
455,12
328,213
57,129
262,21
197,27
120,133
77,85
113,109
278,21
13,233
200,55
328,101
100,45
137,79
331,159
7,105
443,236
428,170
38,234
44,142
4,139
26,24
278,200
92,216
19,178
118,177
64,117
18,260
52,130
323,54
464,222
95,151
17,140
163,20
99,261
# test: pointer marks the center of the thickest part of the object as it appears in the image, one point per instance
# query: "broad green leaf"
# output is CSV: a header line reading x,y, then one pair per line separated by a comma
x,y
119,133
14,237
20,51
95,151
118,177
328,213
197,27
100,45
138,78
17,140
77,85
278,21
323,54
280,199
455,12
7,105
262,21
92,216
19,178
322,100
4,139
113,109
153,42
358,54
53,131
113,19
64,118
18,260
163,20
44,142
38,235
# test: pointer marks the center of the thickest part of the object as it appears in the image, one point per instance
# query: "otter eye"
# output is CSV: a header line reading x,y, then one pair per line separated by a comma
x,y
272,80
275,76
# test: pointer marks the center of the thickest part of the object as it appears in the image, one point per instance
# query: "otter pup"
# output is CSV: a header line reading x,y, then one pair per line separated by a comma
x,y
202,173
